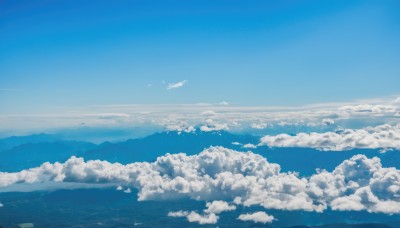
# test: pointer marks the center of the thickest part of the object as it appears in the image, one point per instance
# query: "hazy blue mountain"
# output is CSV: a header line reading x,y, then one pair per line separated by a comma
x,y
13,141
34,154
302,160
158,144
306,160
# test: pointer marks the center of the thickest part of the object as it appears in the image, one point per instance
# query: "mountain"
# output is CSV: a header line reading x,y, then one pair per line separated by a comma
x,y
158,144
34,154
306,160
302,160
13,141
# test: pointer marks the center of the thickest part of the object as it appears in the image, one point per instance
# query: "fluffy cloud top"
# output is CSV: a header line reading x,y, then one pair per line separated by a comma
x,y
196,217
238,178
202,219
212,125
176,85
210,213
259,125
328,122
260,217
383,136
179,127
218,206
249,146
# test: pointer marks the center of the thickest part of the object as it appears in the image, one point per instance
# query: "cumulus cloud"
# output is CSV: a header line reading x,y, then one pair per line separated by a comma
x,y
176,85
128,190
210,213
179,127
260,217
202,219
249,146
383,136
259,126
196,217
218,206
178,213
237,178
328,122
212,125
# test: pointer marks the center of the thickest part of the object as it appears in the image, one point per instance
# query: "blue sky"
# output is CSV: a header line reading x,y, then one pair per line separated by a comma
x,y
79,53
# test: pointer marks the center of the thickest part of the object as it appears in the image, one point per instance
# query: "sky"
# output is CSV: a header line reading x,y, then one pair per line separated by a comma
x,y
166,63
316,74
77,53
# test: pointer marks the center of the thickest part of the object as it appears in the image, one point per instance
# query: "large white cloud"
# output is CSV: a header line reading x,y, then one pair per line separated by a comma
x,y
383,136
238,178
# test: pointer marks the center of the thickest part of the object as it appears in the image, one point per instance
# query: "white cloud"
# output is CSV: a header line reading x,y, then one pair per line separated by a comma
x,y
212,125
260,217
259,125
181,126
237,143
249,146
112,115
328,122
245,179
178,214
128,190
239,118
368,108
210,213
202,219
218,206
383,136
176,85
223,103
208,113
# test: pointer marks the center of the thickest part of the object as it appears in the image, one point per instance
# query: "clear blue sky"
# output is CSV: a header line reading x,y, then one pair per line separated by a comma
x,y
76,53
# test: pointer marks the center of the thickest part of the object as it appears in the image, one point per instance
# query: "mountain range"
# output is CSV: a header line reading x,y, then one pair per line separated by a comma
x,y
22,152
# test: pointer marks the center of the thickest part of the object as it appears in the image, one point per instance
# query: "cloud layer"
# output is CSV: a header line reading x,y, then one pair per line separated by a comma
x,y
225,178
383,136
209,116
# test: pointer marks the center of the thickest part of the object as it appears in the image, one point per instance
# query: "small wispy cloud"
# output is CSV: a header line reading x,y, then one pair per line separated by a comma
x,y
176,85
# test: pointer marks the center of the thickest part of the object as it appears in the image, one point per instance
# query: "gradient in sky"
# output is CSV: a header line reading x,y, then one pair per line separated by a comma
x,y
77,53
